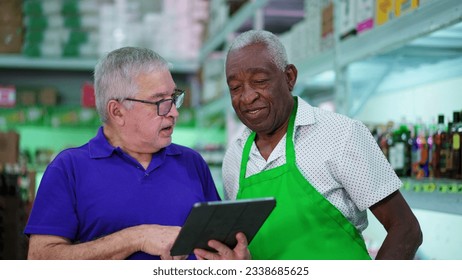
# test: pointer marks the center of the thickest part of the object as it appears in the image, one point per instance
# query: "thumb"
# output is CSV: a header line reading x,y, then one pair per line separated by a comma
x,y
241,240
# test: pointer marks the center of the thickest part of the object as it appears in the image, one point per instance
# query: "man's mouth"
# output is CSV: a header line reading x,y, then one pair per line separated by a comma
x,y
170,127
253,111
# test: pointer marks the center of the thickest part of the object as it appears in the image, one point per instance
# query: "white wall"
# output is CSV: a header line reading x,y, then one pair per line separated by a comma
x,y
425,102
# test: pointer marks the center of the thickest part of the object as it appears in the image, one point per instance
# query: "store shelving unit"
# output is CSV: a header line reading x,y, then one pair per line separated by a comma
x,y
18,62
442,195
396,33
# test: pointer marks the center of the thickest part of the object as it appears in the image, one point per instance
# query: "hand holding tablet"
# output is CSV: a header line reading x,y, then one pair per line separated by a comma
x,y
221,220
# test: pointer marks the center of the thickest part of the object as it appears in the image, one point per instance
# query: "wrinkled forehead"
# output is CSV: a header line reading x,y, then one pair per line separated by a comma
x,y
248,56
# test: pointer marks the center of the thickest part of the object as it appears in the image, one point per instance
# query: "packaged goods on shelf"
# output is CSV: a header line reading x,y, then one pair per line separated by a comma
x,y
60,28
347,18
384,11
71,116
405,6
9,147
10,38
7,96
423,150
11,30
88,95
364,15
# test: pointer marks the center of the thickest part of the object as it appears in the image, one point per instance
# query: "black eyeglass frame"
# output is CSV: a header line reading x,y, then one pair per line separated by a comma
x,y
175,96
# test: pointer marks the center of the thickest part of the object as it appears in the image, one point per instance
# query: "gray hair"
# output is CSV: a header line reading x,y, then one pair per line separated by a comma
x,y
115,74
271,41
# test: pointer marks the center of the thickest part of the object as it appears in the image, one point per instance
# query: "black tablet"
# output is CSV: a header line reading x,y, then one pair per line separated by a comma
x,y
221,220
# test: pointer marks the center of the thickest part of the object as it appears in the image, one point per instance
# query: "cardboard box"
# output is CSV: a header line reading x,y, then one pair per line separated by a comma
x,y
48,96
384,11
26,98
327,19
405,6
11,38
9,147
11,12
347,18
364,15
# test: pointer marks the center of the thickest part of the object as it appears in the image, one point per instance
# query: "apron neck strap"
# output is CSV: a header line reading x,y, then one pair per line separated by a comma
x,y
290,151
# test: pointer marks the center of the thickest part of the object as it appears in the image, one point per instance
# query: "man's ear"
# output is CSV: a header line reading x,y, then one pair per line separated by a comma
x,y
291,76
116,112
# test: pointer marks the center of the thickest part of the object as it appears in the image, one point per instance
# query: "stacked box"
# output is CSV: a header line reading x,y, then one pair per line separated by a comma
x,y
9,147
364,15
403,7
387,10
11,30
384,11
347,19
119,25
184,18
48,96
60,28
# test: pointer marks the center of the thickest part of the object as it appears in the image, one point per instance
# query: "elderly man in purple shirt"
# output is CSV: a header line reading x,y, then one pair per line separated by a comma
x,y
127,192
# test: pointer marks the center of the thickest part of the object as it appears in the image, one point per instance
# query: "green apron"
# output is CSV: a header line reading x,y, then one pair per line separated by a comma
x,y
304,225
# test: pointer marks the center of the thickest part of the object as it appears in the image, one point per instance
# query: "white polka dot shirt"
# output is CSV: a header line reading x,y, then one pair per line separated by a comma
x,y
336,154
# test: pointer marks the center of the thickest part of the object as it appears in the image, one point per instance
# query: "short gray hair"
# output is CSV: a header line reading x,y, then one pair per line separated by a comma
x,y
115,74
270,40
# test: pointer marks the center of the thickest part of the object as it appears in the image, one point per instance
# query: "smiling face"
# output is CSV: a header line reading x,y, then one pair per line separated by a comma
x,y
144,130
260,92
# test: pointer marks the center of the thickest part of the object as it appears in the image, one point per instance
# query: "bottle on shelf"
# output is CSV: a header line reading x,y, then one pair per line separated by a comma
x,y
438,136
455,135
446,156
400,151
385,138
420,158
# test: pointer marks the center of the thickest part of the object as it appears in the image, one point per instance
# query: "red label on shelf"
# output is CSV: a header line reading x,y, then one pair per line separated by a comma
x,y
7,96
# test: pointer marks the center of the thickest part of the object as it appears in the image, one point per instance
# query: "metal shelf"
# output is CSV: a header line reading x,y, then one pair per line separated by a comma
x,y
75,64
396,33
441,195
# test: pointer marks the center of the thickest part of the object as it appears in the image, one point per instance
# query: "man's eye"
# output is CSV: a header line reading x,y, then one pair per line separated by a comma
x,y
234,88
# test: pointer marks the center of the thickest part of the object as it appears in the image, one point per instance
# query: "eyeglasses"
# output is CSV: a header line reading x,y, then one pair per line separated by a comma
x,y
165,105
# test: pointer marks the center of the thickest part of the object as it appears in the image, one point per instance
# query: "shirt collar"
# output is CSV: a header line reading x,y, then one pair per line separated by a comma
x,y
99,147
304,116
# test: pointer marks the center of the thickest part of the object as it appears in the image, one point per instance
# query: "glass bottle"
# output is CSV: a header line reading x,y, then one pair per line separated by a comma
x,y
437,146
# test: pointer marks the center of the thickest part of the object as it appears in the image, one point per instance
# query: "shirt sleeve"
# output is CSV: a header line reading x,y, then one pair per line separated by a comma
x,y
366,175
231,170
54,211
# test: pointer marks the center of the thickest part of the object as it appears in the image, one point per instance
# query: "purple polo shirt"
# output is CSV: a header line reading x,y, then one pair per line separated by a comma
x,y
96,189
